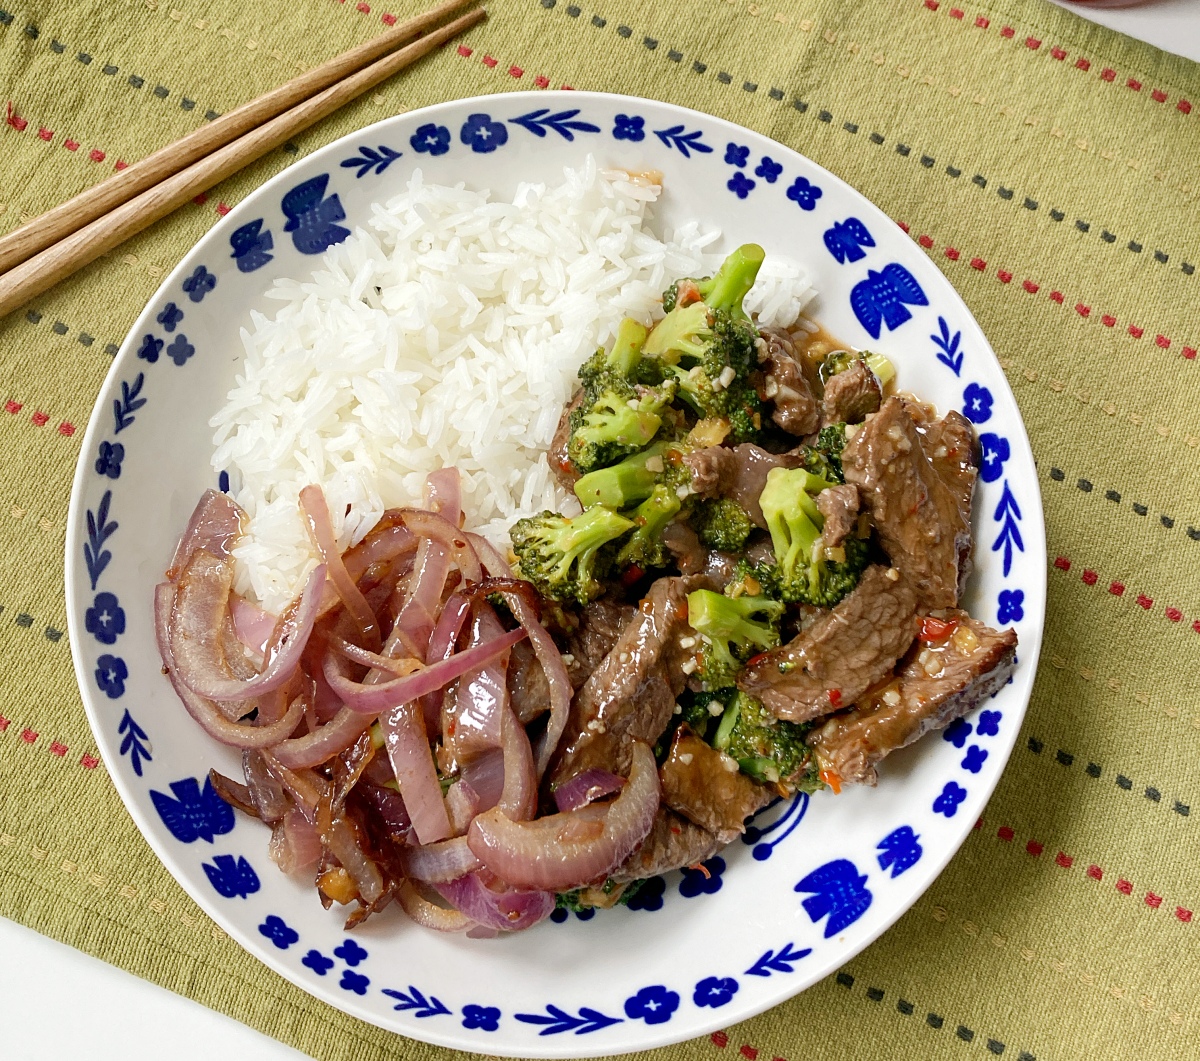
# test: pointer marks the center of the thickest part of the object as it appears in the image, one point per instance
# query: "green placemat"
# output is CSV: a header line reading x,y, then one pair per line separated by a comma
x,y
1048,166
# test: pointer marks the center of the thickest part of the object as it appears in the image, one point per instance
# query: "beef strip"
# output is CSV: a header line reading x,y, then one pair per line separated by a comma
x,y
706,787
528,689
975,662
560,463
685,548
922,523
600,624
952,448
630,695
784,387
739,473
672,843
841,655
839,506
851,395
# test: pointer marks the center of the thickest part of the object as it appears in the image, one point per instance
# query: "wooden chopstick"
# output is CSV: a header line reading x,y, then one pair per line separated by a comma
x,y
46,230
46,269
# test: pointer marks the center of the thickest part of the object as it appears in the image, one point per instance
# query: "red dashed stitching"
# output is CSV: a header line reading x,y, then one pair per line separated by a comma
x,y
1062,563
1108,74
1117,589
1058,54
1124,886
1162,341
956,12
1095,872
29,736
1082,64
1056,296
1146,602
516,71
1004,276
1135,331
1108,320
39,419
979,264
56,748
15,120
1089,578
1034,848
71,145
1007,31
89,762
1134,84
720,1039
1063,860
45,134
12,407
541,81
96,155
1082,310
748,1052
1184,106
1004,833
4,723
489,62
982,23
1033,43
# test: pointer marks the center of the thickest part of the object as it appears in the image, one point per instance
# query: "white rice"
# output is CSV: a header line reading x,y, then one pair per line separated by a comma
x,y
447,332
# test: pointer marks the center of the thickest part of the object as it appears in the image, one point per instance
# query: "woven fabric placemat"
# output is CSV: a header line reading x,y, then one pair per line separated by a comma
x,y
1049,167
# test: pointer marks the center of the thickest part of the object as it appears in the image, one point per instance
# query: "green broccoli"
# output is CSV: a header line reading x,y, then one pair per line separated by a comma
x,y
616,369
731,633
565,558
840,360
618,424
727,289
645,546
824,457
624,484
753,580
806,573
722,523
768,749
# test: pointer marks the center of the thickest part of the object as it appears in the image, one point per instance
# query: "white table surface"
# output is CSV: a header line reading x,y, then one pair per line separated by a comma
x,y
58,1003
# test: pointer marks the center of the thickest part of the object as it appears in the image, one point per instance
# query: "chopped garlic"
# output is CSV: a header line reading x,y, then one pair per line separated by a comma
x,y
715,707
891,697
933,665
685,758
688,666
623,657
727,376
682,492
772,387
892,575
568,659
729,763
964,640
687,642
654,464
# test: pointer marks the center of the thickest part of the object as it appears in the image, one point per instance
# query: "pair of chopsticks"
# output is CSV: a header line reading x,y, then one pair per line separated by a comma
x,y
36,256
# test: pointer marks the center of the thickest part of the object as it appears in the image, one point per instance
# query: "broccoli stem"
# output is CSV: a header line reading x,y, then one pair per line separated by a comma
x,y
627,347
623,484
733,280
884,370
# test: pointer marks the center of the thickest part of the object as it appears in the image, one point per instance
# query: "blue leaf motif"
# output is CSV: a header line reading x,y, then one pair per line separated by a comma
x,y
194,813
199,284
784,825
1007,513
957,732
482,135
714,991
129,402
417,1003
846,239
232,878
170,316
778,962
371,159
948,346
630,127
251,246
111,673
483,1018
105,619
1011,606
839,891
899,850
538,121
312,217
655,1004
99,530
883,296
989,723
430,139
555,1021
683,142
132,745
949,799
278,931
740,184
974,759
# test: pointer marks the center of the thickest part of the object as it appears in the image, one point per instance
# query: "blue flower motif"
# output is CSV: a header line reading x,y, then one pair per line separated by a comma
x,y
105,619
317,962
995,452
947,803
150,349
988,724
974,759
977,403
279,932
768,169
649,896
740,184
355,982
1012,606
485,1018
482,134
180,349
715,991
705,880
111,673
957,732
108,459
654,1005
629,127
430,139
170,316
804,194
350,952
736,155
199,284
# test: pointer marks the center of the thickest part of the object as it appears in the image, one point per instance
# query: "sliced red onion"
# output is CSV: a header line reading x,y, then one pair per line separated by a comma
x,y
306,788
442,643
575,848
295,842
323,743
215,525
372,699
417,617
585,787
203,710
320,530
387,807
427,914
198,616
446,860
443,531
506,910
266,792
485,774
462,804
251,624
341,838
232,792
347,768
471,723
407,746
518,799
396,667
443,493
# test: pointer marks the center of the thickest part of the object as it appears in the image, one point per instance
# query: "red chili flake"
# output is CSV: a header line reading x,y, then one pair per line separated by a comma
x,y
631,575
835,697
700,867
934,630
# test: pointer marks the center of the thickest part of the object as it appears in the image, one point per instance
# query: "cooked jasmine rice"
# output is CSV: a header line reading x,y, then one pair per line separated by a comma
x,y
448,331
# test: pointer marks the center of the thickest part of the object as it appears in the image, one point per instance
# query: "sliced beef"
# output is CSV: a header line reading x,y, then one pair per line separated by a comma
x,y
739,473
560,463
839,506
600,624
672,843
528,689
630,695
759,549
840,655
851,395
685,548
783,386
935,685
922,523
706,787
952,449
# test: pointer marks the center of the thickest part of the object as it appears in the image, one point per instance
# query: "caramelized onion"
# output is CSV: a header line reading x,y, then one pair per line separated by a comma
x,y
499,906
407,746
215,525
585,787
430,915
324,742
518,800
444,861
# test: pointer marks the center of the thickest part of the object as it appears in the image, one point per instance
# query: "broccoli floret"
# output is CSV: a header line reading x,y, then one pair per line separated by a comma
x,y
645,546
732,633
722,523
617,425
807,573
768,749
840,360
824,457
693,710
625,484
726,289
616,369
753,580
565,558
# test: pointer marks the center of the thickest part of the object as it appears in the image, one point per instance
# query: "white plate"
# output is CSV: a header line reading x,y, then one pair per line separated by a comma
x,y
814,881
